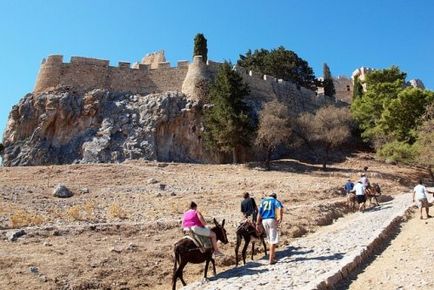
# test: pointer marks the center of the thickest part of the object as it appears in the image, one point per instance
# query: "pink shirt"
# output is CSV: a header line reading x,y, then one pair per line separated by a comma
x,y
190,218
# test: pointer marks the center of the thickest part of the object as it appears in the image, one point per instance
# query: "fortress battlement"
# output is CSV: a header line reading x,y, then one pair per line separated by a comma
x,y
154,75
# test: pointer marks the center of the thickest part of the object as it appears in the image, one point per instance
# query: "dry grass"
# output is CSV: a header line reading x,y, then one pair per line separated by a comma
x,y
23,218
74,213
115,211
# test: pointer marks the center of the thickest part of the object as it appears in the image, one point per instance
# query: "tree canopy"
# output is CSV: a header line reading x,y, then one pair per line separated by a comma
x,y
227,123
329,87
200,46
274,128
327,129
280,63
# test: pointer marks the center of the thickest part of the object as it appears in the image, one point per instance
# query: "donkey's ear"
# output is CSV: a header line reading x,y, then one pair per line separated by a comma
x,y
215,222
223,223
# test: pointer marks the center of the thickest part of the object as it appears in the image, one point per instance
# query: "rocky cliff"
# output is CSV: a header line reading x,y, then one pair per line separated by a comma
x,y
61,126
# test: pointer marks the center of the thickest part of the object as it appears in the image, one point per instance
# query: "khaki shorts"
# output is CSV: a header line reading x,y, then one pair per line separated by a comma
x,y
201,231
423,202
270,227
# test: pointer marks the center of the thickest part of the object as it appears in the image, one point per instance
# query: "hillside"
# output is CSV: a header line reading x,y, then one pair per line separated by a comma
x,y
118,229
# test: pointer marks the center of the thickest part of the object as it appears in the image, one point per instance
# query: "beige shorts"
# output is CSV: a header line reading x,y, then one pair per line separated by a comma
x,y
270,227
423,202
201,231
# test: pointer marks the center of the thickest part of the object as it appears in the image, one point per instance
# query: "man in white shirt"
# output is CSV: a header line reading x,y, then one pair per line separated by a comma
x,y
359,189
421,194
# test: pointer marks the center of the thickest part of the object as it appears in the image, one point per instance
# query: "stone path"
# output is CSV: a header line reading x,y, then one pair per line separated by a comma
x,y
318,260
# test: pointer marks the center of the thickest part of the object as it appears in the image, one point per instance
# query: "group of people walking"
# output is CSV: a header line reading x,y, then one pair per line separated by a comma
x,y
267,217
359,189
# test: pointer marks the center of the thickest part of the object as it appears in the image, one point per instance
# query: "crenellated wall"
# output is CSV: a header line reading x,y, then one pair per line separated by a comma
x,y
85,74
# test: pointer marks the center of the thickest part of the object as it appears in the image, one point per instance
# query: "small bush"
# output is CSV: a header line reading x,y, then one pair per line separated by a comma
x,y
116,211
22,219
397,152
74,212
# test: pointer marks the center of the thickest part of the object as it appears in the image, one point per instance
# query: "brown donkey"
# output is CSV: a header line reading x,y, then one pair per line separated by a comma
x,y
186,251
247,232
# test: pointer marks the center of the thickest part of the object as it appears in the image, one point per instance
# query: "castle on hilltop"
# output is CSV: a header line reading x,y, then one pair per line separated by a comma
x,y
155,75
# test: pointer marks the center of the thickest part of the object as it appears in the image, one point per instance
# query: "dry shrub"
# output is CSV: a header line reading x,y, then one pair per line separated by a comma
x,y
297,231
23,218
116,211
89,209
74,212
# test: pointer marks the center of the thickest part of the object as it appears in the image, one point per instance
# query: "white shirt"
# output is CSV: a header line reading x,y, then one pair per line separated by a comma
x,y
420,191
359,188
364,181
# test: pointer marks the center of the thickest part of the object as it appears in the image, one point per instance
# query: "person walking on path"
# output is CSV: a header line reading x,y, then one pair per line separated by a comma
x,y
421,194
249,209
270,215
348,186
359,189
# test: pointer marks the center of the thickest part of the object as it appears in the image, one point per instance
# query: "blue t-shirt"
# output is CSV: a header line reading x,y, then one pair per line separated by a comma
x,y
348,186
267,208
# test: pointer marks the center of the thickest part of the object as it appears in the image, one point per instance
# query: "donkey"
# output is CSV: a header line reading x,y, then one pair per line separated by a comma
x,y
247,231
372,192
186,251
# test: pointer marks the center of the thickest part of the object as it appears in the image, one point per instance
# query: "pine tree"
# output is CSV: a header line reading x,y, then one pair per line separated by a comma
x,y
200,46
329,87
227,123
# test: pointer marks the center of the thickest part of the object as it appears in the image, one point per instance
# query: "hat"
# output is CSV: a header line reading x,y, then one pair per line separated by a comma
x,y
273,194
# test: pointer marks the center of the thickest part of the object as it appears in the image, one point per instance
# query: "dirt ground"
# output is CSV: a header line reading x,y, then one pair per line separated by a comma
x,y
407,262
118,229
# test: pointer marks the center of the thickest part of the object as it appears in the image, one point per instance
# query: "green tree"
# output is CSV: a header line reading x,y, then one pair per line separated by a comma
x,y
357,88
324,131
200,46
383,86
280,63
227,123
274,128
403,114
329,87
424,145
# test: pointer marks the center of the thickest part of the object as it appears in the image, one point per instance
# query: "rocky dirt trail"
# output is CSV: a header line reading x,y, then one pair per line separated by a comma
x,y
319,260
406,263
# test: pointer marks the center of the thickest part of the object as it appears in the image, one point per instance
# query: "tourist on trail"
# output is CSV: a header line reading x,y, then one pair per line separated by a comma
x,y
249,208
270,215
348,186
421,194
193,220
364,180
359,189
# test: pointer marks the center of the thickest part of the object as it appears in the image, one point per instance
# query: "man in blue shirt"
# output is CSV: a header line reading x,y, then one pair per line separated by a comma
x,y
270,215
348,186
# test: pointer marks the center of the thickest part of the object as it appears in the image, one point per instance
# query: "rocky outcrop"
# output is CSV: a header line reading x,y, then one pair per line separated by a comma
x,y
62,126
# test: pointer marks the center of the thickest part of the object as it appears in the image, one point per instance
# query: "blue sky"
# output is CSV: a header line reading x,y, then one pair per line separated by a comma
x,y
344,34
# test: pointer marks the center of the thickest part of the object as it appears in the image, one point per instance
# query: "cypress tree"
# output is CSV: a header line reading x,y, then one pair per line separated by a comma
x,y
358,88
329,87
200,46
227,123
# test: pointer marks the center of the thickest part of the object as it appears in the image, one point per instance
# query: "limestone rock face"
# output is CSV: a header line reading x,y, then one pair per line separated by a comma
x,y
62,127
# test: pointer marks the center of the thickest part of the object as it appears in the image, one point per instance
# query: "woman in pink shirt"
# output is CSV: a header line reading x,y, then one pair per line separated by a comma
x,y
194,221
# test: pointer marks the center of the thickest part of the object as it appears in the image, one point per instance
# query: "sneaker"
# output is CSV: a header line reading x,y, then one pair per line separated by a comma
x,y
429,216
218,254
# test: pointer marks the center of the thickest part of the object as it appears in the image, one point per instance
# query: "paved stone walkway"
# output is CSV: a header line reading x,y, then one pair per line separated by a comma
x,y
314,259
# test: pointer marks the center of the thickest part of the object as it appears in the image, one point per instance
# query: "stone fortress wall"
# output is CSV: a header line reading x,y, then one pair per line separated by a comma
x,y
83,74
153,76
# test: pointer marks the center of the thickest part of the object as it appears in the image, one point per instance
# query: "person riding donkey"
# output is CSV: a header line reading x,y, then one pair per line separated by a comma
x,y
249,209
193,221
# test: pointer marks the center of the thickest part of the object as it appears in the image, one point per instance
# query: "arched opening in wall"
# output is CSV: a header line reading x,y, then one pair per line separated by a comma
x,y
348,88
